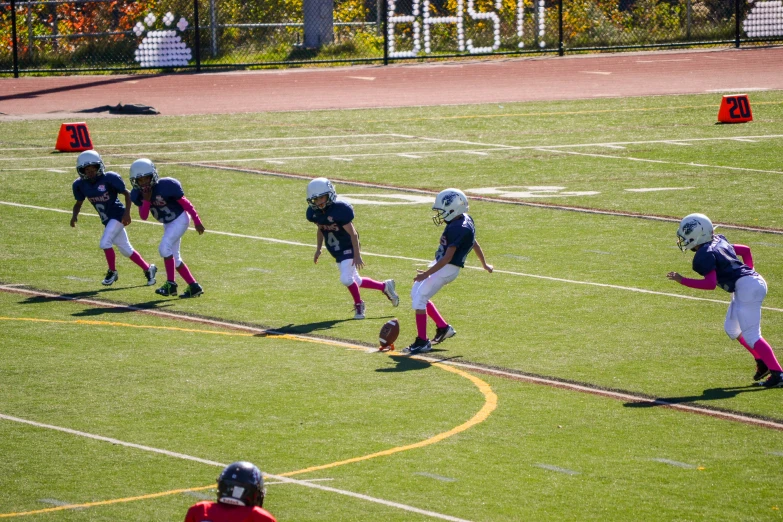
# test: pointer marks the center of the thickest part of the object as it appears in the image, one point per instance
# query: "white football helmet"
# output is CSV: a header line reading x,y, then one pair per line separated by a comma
x,y
320,187
140,168
449,204
87,158
695,230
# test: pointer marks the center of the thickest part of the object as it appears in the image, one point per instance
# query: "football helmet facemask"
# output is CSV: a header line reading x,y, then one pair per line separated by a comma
x,y
449,204
241,484
141,168
86,159
694,230
320,187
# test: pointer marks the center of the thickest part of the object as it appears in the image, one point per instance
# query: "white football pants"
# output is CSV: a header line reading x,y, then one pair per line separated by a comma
x,y
744,313
114,234
348,273
423,291
172,237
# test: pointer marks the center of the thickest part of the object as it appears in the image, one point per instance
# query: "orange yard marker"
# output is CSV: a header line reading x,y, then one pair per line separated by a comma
x,y
735,108
73,137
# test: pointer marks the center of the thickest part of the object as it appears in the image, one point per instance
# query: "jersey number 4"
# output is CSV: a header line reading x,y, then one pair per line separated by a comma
x,y
332,241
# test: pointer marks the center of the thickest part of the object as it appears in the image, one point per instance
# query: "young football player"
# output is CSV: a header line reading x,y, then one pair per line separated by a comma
x,y
334,219
102,189
456,242
240,496
166,200
716,260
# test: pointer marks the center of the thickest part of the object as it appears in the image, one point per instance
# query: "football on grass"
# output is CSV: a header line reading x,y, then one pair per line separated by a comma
x,y
389,333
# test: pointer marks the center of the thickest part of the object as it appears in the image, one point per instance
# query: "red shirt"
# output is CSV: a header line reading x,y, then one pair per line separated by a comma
x,y
216,512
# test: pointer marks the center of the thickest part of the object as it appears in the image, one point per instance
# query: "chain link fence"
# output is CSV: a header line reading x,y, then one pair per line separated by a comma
x,y
122,35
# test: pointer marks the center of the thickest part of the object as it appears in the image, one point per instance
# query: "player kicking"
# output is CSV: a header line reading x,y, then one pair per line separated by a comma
x,y
456,242
102,189
334,220
166,200
716,260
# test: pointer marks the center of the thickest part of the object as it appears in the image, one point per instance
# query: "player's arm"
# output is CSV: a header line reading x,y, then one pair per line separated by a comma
x,y
357,255
480,255
187,206
443,261
77,207
744,252
319,238
709,282
126,217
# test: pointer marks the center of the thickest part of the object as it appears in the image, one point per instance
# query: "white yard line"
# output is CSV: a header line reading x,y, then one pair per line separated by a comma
x,y
485,149
223,151
191,458
424,261
662,162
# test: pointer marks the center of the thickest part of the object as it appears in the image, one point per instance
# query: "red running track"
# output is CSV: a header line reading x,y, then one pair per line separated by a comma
x,y
452,83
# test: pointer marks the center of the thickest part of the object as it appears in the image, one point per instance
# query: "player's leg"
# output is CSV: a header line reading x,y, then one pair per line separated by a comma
x,y
733,329
172,234
349,277
387,287
749,293
108,250
194,289
421,293
121,241
443,329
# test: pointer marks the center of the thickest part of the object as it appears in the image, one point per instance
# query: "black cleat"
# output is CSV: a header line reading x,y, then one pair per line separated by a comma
x,y
111,277
419,346
193,290
761,370
441,334
169,288
775,381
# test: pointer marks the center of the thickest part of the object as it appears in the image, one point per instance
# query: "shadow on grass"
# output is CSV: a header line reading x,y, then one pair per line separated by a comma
x,y
123,309
710,394
39,299
403,363
109,308
307,327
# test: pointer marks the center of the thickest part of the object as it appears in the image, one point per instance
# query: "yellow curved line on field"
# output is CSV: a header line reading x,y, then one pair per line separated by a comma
x,y
490,403
102,502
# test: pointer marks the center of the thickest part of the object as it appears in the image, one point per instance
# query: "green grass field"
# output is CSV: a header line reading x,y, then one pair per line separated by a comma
x,y
158,402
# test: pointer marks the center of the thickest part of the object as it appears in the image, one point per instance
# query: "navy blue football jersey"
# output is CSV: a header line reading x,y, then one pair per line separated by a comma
x,y
331,221
719,255
461,233
164,202
103,195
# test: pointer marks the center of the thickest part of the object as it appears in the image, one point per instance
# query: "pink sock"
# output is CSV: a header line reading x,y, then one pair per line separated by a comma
x,y
111,258
435,315
421,325
184,272
354,289
766,354
168,262
372,285
136,258
744,343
